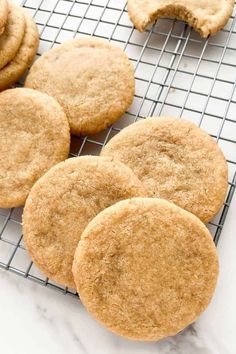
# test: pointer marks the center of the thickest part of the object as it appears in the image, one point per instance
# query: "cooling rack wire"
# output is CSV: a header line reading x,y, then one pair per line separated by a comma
x,y
177,73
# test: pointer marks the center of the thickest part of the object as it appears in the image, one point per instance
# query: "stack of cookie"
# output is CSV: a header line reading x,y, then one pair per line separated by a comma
x,y
18,43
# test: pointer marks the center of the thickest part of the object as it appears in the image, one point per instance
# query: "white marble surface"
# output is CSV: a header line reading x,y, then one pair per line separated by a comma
x,y
36,320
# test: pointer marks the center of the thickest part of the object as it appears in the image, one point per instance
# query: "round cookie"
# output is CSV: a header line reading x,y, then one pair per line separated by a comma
x,y
16,68
34,135
3,14
206,17
12,37
176,161
145,268
62,203
95,89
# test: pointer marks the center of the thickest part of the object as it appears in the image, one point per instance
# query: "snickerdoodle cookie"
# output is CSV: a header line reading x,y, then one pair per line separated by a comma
x,y
145,268
176,161
206,17
3,14
18,65
92,79
34,135
12,37
62,203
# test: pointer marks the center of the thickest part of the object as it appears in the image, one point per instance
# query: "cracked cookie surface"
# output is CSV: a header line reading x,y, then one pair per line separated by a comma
x,y
176,161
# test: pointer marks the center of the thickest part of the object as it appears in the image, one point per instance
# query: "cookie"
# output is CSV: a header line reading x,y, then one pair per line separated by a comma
x,y
176,161
206,17
62,203
95,89
3,14
34,135
12,37
16,68
145,268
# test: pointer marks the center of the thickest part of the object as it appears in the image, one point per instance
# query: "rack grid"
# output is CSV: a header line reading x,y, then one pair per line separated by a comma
x,y
177,73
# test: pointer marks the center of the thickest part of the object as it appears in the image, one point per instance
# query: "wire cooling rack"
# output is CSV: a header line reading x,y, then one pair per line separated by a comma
x,y
177,73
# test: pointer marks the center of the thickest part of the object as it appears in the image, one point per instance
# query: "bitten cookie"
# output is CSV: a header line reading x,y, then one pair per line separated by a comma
x,y
95,89
62,203
176,161
34,135
206,17
12,37
16,68
145,268
3,14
